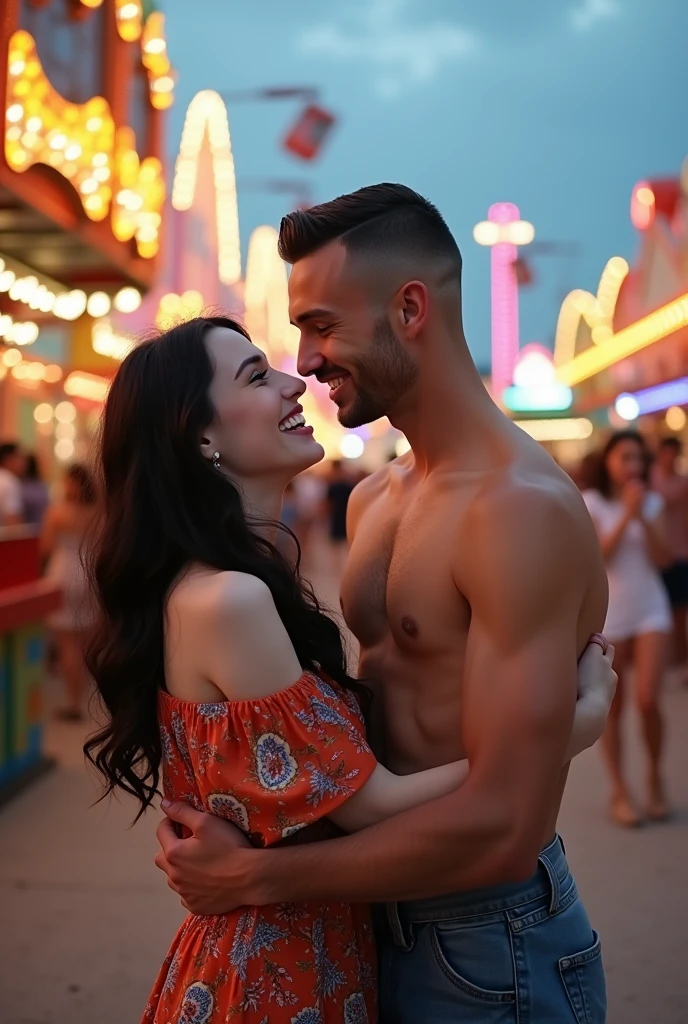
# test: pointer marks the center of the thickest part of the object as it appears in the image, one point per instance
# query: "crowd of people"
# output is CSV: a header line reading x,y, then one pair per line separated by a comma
x,y
638,500
24,495
62,521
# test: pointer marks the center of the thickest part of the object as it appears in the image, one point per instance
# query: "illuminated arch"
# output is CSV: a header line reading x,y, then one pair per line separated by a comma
x,y
596,310
207,114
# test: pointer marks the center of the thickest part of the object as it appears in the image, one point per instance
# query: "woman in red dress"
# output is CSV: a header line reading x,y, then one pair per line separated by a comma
x,y
223,679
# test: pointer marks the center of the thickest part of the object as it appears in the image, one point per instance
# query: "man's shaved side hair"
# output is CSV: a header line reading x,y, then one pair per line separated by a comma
x,y
385,221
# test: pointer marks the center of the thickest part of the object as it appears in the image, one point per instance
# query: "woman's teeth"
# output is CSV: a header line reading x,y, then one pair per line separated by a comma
x,y
292,423
336,383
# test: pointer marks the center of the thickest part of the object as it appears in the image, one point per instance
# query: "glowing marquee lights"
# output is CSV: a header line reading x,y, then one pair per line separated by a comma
x,y
207,113
86,385
83,144
504,231
637,336
155,59
663,396
129,14
137,205
108,342
596,310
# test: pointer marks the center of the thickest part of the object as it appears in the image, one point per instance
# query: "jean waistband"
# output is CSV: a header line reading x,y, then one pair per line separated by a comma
x,y
552,878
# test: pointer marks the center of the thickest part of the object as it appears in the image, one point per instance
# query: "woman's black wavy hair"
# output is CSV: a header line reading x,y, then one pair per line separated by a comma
x,y
166,506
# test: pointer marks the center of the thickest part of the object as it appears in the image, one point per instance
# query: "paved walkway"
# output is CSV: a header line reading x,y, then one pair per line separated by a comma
x,y
86,918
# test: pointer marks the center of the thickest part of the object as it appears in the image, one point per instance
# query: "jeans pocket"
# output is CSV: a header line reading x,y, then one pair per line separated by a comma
x,y
583,978
449,946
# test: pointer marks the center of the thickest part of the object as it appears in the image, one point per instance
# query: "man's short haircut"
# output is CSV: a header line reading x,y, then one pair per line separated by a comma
x,y
379,220
671,442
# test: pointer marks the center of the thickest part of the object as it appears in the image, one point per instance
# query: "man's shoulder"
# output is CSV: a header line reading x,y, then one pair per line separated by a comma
x,y
523,495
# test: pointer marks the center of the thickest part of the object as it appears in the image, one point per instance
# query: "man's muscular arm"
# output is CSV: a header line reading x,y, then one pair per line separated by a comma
x,y
521,573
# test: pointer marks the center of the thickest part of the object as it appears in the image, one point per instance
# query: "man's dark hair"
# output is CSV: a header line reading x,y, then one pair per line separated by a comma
x,y
375,220
7,450
671,442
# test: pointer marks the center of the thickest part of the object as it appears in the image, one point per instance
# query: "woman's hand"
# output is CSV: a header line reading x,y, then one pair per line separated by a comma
x,y
596,688
633,496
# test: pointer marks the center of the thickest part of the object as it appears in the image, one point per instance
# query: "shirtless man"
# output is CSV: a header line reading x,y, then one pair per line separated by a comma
x,y
473,585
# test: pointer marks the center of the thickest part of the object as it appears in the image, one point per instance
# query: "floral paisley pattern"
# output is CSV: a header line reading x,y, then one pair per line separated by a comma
x,y
224,805
275,767
197,1004
272,767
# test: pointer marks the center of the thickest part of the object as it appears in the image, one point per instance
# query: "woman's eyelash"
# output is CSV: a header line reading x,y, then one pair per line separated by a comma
x,y
259,376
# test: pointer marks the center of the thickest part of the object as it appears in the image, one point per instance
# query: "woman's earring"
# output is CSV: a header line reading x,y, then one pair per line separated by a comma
x,y
216,460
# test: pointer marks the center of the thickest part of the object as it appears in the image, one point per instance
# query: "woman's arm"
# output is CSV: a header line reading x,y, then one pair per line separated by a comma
x,y
609,542
656,537
386,794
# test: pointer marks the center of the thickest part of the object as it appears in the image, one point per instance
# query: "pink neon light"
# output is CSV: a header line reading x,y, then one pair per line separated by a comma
x,y
504,302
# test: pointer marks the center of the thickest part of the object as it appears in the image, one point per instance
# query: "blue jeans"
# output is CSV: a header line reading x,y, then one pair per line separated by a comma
x,y
511,954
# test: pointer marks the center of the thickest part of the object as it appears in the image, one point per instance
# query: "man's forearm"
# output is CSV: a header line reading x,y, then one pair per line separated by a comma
x,y
421,853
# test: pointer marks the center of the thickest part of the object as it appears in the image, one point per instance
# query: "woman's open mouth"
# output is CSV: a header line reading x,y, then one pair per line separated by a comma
x,y
295,424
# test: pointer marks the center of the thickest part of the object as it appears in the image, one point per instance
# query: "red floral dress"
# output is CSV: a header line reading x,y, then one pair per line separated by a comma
x,y
272,766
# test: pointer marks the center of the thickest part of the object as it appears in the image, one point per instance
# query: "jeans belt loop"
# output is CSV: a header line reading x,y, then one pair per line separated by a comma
x,y
396,927
553,881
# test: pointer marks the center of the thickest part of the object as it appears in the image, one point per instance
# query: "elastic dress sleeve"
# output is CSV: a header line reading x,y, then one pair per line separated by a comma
x,y
305,753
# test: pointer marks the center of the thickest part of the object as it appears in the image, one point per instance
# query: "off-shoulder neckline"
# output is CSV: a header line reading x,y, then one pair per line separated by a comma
x,y
285,692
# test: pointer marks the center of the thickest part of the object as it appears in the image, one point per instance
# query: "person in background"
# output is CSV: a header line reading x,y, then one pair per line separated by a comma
x,y
309,490
35,496
630,523
339,491
64,528
11,466
586,473
668,481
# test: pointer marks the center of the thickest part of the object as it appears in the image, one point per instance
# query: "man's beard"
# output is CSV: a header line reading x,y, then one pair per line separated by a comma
x,y
388,371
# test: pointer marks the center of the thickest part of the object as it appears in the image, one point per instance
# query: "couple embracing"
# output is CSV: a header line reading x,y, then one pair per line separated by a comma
x,y
351,848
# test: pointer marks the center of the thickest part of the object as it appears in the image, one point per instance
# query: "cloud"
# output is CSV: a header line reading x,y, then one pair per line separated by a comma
x,y
589,12
401,54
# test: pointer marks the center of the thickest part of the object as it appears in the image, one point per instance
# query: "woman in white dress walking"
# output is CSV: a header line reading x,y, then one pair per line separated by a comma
x,y
629,522
65,526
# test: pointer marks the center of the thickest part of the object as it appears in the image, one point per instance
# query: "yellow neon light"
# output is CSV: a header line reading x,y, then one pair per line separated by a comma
x,y
596,310
266,296
556,430
207,113
639,335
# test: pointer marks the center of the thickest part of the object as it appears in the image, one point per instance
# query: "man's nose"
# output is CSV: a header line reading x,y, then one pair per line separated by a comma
x,y
309,359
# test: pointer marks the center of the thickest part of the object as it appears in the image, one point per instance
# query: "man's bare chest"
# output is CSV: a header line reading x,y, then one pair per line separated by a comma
x,y
398,583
